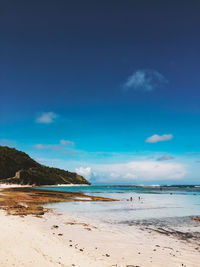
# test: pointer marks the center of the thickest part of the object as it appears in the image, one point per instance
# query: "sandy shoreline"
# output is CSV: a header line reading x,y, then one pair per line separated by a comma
x,y
69,240
63,240
64,185
2,186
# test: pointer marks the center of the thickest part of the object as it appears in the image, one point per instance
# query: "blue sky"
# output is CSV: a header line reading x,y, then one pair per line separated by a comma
x,y
108,89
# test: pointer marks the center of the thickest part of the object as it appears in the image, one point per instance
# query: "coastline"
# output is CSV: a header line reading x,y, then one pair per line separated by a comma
x,y
56,239
24,200
4,186
64,240
64,185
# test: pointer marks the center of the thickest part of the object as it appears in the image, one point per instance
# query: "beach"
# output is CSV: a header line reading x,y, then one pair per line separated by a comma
x,y
100,133
61,240
69,239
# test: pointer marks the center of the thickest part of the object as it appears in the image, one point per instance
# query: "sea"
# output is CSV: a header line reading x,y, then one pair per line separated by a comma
x,y
171,209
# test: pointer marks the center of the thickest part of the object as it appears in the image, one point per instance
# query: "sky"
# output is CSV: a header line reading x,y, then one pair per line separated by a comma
x,y
109,89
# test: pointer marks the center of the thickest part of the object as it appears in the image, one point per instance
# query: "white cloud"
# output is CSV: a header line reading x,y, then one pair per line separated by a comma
x,y
145,80
139,171
130,175
46,117
132,172
66,142
165,157
114,175
159,138
85,172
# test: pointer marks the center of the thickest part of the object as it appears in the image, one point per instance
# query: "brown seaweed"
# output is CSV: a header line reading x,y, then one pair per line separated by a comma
x,y
26,200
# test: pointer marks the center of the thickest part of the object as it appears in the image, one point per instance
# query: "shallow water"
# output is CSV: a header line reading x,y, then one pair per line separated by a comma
x,y
155,205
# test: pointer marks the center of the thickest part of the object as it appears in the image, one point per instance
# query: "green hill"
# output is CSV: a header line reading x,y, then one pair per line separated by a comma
x,y
17,167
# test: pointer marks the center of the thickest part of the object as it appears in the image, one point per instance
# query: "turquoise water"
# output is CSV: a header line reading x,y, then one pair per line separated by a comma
x,y
155,202
181,189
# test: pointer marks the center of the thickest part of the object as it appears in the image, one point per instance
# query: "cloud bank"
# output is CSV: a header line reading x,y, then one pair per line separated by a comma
x,y
138,171
46,117
85,172
145,80
159,138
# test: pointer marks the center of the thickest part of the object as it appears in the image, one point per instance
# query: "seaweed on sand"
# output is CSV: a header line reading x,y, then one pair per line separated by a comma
x,y
26,200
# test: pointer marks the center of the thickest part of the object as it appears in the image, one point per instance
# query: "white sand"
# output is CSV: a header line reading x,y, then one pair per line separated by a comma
x,y
65,185
3,186
31,241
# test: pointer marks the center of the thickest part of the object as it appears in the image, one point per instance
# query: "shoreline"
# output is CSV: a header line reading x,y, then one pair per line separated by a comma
x,y
27,200
64,185
4,186
63,239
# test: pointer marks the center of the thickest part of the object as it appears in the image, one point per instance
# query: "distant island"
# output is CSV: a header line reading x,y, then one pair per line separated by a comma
x,y
17,167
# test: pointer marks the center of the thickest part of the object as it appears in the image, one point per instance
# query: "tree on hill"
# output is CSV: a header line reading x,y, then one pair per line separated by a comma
x,y
17,167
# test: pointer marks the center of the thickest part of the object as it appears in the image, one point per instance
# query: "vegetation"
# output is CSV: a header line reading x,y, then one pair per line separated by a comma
x,y
196,219
17,167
